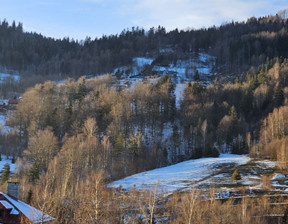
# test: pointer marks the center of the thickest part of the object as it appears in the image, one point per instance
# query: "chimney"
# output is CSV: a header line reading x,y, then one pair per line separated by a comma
x,y
13,189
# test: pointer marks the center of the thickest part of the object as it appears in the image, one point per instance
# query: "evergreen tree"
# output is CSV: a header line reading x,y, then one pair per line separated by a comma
x,y
233,117
233,114
246,103
119,145
215,111
238,147
34,173
29,196
278,96
197,88
261,76
5,173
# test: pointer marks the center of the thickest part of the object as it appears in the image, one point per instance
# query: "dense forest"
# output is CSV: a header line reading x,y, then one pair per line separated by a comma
x,y
237,46
72,138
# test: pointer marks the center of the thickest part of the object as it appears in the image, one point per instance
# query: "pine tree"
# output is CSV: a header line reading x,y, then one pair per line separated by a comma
x,y
233,114
246,102
119,145
5,173
34,173
29,196
239,146
278,96
197,88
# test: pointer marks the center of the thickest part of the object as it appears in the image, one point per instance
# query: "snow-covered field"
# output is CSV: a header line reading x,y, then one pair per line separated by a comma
x,y
193,173
4,76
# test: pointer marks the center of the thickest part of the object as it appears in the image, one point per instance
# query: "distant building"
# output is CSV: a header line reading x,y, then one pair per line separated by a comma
x,y
14,211
13,101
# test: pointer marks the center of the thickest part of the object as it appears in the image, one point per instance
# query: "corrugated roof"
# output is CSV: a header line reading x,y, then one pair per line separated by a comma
x,y
7,205
33,214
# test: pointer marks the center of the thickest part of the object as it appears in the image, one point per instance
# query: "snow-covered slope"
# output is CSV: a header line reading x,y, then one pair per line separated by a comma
x,y
185,175
180,72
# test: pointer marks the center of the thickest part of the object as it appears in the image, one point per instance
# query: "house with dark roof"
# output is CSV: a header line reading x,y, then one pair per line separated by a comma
x,y
12,210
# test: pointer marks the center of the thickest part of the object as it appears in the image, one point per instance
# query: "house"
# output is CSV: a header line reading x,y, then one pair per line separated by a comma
x,y
13,101
12,210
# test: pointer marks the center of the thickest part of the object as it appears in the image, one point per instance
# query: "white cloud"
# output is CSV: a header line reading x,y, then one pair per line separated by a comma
x,y
193,13
80,18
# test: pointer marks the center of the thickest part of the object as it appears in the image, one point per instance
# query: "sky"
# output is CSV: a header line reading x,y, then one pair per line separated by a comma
x,y
79,19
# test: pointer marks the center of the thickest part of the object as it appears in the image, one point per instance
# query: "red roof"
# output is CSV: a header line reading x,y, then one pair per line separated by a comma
x,y
13,101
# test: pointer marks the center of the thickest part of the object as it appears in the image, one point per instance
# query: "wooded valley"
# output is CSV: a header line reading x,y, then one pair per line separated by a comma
x,y
72,138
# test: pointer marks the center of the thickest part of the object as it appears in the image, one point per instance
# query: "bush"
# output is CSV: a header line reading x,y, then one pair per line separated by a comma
x,y
236,175
5,173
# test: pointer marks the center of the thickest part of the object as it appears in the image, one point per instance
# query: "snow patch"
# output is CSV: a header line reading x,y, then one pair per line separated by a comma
x,y
278,176
9,161
141,61
179,94
267,163
3,127
5,76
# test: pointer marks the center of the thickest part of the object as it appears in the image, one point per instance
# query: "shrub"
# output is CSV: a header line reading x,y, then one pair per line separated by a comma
x,y
236,175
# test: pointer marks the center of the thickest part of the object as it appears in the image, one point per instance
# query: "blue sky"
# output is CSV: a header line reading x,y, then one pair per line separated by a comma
x,y
81,18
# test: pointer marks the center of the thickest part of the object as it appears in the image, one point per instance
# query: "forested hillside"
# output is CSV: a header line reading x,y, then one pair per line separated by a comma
x,y
72,138
70,134
236,45
138,124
